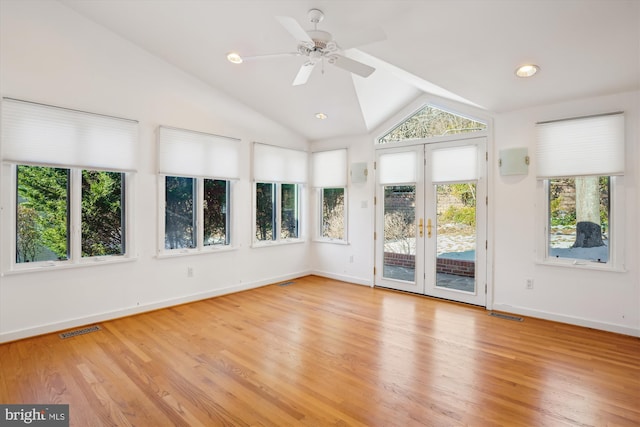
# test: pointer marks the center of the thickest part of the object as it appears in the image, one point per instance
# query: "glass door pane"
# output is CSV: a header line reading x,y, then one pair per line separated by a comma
x,y
399,232
456,236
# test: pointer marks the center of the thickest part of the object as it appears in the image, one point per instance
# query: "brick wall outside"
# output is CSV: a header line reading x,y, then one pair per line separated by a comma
x,y
399,260
459,267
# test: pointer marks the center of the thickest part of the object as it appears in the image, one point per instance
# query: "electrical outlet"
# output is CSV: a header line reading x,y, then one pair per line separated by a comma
x,y
189,271
351,259
529,283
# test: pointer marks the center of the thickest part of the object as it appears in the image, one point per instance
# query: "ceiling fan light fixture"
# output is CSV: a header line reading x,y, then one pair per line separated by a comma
x,y
234,58
527,70
321,116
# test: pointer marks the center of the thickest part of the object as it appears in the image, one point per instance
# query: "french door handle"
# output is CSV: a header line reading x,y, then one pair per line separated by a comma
x,y
428,228
421,227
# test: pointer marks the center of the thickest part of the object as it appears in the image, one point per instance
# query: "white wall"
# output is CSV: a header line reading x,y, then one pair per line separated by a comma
x,y
54,56
599,299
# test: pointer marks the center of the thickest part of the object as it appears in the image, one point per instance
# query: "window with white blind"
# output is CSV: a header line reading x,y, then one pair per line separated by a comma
x,y
71,171
279,175
580,166
196,171
329,178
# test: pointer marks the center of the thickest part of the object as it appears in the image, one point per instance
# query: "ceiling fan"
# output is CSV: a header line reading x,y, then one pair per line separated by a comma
x,y
317,46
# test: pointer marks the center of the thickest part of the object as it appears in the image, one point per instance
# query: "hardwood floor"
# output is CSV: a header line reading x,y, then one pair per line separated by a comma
x,y
319,352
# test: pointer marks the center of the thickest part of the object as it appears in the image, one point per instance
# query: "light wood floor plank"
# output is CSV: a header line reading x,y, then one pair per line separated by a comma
x,y
320,352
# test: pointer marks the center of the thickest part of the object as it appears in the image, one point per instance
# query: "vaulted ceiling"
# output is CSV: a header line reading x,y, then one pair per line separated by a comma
x,y
465,50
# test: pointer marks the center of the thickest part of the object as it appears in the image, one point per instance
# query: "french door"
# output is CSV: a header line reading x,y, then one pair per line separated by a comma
x,y
431,219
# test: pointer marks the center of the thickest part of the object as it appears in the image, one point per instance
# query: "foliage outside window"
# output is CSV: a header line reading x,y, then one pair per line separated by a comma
x,y
277,211
44,216
400,219
579,218
216,212
431,122
180,221
196,210
289,211
265,211
461,208
333,213
102,213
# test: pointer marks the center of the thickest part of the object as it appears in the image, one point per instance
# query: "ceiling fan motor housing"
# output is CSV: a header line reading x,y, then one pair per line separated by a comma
x,y
322,39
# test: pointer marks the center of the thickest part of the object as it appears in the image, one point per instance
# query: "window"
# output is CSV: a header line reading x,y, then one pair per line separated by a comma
x,y
102,214
290,208
179,213
70,170
197,171
332,204
279,175
216,212
580,168
266,224
42,218
330,181
579,218
272,222
430,122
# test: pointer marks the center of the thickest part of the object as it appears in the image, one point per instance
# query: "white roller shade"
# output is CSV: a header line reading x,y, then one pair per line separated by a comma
x,y
579,147
397,168
41,134
329,168
188,153
277,164
455,164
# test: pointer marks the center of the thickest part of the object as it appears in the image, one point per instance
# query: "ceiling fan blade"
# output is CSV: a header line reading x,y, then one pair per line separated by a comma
x,y
304,73
352,65
292,26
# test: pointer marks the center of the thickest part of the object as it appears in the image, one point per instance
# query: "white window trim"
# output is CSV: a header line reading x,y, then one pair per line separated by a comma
x,y
318,237
277,241
9,198
616,261
200,247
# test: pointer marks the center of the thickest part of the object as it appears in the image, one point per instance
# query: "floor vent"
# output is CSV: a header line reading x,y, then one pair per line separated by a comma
x,y
82,331
286,283
506,316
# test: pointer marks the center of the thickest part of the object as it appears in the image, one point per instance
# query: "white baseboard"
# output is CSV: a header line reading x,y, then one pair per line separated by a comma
x,y
343,278
571,320
115,314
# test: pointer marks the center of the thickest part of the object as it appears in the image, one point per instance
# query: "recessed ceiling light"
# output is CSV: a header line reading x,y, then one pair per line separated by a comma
x,y
234,58
321,116
527,70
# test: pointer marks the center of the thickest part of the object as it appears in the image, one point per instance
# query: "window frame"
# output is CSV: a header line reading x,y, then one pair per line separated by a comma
x,y
330,171
200,247
75,259
379,144
277,203
616,262
590,145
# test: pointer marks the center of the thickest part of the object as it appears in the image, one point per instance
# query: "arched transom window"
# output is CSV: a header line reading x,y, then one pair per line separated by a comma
x,y
430,122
